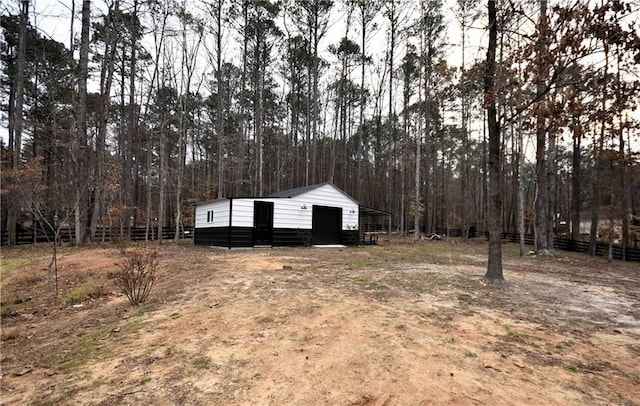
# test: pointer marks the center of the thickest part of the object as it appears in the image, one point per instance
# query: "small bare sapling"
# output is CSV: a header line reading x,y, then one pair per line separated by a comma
x,y
136,274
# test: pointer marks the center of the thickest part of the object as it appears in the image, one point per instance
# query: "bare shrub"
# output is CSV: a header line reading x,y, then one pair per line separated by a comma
x,y
136,274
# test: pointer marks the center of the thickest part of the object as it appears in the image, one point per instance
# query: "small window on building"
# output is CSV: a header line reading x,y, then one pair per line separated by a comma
x,y
210,216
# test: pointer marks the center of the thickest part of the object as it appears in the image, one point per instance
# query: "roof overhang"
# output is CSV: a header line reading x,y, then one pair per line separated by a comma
x,y
370,211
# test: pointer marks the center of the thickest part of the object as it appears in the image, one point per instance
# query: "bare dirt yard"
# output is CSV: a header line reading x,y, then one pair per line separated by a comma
x,y
398,324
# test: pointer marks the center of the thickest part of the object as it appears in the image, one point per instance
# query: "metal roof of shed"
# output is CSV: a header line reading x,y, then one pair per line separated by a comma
x,y
304,189
298,191
289,193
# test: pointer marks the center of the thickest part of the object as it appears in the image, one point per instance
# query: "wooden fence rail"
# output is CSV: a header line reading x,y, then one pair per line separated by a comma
x,y
139,234
31,236
602,249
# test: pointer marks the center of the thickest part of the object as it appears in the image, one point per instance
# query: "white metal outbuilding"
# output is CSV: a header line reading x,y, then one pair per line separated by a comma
x,y
320,214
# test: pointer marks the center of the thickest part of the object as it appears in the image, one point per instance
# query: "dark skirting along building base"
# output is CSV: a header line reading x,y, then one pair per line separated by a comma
x,y
242,237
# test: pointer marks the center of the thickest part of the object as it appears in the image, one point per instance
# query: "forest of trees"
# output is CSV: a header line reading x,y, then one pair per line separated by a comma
x,y
156,105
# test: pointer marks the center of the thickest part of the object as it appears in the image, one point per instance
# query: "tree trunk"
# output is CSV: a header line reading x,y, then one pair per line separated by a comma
x,y
159,37
11,125
429,199
422,74
148,223
598,148
494,266
463,121
259,132
180,171
17,121
183,128
576,200
162,176
132,124
307,148
360,132
403,151
542,192
552,170
81,183
19,78
520,189
485,175
314,101
595,196
220,102
625,206
416,214
243,102
257,99
122,144
106,79
391,165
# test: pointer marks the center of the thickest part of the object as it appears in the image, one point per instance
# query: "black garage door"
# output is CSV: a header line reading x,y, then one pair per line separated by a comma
x,y
326,224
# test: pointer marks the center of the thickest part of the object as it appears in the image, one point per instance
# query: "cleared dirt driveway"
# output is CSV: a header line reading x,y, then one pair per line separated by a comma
x,y
386,325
